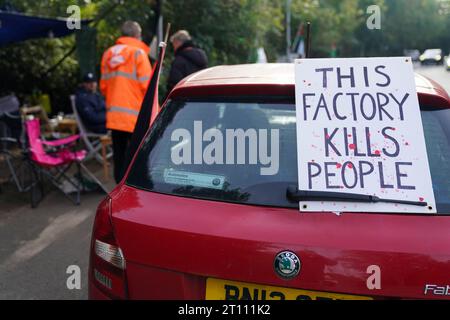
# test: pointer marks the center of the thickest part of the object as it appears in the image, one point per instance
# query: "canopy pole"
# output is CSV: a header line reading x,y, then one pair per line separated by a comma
x,y
68,53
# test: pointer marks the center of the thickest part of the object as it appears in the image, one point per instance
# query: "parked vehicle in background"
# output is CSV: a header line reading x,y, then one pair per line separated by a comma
x,y
448,63
218,231
413,53
432,56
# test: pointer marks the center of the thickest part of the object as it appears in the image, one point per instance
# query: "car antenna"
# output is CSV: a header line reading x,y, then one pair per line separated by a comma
x,y
308,40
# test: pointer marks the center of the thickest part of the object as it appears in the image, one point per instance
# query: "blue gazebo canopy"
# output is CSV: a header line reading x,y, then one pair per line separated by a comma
x,y
16,27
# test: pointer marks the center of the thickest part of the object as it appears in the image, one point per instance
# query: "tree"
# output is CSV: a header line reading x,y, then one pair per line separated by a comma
x,y
229,31
23,65
407,24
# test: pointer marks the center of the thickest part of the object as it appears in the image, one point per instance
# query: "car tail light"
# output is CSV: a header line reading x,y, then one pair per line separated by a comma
x,y
107,265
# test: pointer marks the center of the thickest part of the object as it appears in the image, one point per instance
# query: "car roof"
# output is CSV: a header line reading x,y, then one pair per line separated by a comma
x,y
270,73
276,78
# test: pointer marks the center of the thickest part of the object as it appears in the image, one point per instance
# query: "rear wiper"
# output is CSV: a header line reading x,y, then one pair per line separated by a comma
x,y
294,194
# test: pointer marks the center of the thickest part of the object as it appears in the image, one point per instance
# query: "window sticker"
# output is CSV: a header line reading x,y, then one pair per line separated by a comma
x,y
202,180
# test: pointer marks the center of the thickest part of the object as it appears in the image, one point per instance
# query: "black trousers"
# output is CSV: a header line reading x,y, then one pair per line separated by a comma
x,y
120,142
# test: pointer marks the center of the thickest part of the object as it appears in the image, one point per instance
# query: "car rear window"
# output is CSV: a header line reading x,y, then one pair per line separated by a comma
x,y
178,162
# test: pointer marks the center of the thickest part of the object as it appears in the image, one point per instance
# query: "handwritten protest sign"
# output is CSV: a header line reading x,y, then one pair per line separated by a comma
x,y
359,130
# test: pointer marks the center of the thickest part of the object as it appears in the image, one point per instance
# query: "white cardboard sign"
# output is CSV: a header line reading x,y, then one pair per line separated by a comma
x,y
359,130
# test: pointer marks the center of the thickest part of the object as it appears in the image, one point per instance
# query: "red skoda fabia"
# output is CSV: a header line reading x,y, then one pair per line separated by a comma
x,y
192,223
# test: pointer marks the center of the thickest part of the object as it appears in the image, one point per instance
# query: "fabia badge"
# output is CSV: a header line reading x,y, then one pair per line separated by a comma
x,y
287,264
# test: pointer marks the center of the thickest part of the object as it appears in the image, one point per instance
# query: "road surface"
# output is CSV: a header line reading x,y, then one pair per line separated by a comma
x,y
38,245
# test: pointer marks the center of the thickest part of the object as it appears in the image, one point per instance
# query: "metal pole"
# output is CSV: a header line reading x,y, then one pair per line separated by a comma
x,y
288,30
308,39
160,28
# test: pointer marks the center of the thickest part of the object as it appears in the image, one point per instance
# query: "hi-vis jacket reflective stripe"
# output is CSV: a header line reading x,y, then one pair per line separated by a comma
x,y
125,76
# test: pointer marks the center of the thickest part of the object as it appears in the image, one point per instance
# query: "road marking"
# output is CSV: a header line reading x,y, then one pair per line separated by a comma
x,y
50,234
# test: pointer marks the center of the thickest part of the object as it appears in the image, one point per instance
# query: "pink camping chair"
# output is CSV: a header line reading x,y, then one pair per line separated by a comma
x,y
55,165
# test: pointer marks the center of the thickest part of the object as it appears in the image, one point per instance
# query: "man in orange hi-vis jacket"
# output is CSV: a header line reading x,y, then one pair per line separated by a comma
x,y
125,74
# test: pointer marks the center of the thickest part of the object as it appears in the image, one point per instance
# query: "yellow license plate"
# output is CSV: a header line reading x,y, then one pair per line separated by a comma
x,y
217,289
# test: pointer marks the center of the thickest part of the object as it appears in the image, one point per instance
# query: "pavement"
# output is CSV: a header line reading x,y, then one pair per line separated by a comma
x,y
38,245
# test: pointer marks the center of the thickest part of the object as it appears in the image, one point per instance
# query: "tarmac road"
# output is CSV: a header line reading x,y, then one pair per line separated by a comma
x,y
37,245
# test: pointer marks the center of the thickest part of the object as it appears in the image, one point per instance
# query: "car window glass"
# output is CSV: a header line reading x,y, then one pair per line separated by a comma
x,y
155,170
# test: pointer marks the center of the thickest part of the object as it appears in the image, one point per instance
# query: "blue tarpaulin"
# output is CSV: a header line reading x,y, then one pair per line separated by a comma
x,y
16,27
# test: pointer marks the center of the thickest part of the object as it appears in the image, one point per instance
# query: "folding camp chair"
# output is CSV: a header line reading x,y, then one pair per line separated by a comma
x,y
55,164
91,140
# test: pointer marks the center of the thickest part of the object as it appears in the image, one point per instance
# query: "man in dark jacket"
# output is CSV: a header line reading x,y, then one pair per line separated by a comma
x,y
91,105
188,58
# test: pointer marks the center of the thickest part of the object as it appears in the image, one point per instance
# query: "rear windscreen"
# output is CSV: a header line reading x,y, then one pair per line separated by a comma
x,y
245,152
436,127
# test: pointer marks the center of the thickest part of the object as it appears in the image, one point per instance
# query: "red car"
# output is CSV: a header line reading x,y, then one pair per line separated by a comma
x,y
198,230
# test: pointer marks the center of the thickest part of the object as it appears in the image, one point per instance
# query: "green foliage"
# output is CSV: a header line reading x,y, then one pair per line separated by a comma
x,y
415,24
23,65
23,69
229,31
333,22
